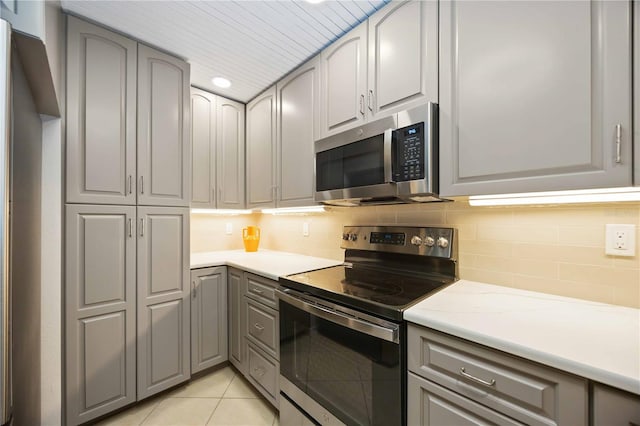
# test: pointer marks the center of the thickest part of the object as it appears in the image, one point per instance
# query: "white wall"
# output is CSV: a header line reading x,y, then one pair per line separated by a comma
x,y
51,273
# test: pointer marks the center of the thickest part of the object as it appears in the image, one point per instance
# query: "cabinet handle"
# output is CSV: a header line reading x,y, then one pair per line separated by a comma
x,y
256,290
195,290
130,184
141,184
370,100
142,227
259,371
475,379
213,195
219,200
258,327
618,142
130,227
362,104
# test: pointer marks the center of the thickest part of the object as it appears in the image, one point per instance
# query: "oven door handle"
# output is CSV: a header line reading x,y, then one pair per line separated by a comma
x,y
390,333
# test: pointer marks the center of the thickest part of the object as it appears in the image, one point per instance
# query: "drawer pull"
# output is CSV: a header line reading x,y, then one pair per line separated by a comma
x,y
475,379
259,371
258,327
256,290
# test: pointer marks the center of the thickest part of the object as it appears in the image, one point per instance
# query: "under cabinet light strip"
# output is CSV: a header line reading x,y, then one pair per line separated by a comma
x,y
294,210
559,197
228,212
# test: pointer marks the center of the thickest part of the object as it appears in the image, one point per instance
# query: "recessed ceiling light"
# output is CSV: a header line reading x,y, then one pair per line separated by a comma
x,y
221,82
314,1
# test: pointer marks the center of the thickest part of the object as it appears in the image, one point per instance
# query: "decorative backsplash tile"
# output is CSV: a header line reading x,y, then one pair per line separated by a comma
x,y
551,249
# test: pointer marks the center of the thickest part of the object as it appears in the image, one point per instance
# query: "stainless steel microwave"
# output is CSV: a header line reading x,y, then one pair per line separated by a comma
x,y
388,161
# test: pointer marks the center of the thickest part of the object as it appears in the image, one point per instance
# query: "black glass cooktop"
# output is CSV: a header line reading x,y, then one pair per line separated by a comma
x,y
379,292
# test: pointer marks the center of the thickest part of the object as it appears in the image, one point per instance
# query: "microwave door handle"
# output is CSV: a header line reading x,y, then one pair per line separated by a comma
x,y
388,146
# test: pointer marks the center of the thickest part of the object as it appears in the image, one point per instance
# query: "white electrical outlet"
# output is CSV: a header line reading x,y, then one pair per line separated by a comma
x,y
305,229
620,240
228,228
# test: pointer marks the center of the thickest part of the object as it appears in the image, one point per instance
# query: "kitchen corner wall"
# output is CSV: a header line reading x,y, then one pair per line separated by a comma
x,y
550,249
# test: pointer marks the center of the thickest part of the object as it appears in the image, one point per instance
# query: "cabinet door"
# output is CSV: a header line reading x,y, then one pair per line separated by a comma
x,y
403,57
297,129
527,104
230,141
101,121
100,342
344,82
237,308
613,407
208,317
163,298
203,146
163,129
261,150
636,92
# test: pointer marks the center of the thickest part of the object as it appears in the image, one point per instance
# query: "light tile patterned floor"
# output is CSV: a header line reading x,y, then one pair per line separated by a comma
x,y
222,397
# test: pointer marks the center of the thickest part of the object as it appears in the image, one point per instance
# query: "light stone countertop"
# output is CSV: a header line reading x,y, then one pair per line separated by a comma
x,y
594,340
267,263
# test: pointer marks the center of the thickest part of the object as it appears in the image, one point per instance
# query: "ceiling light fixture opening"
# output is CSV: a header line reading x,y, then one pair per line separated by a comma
x,y
314,1
221,82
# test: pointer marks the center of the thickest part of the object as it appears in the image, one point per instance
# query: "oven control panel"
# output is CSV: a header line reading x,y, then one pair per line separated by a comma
x,y
424,241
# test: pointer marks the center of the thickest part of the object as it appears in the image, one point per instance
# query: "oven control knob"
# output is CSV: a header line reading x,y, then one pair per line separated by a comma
x,y
353,237
429,241
443,242
345,237
416,241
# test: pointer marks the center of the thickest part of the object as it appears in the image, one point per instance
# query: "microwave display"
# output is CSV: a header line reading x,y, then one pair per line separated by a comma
x,y
408,154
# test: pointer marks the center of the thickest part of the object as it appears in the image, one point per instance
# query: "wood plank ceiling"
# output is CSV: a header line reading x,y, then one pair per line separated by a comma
x,y
251,43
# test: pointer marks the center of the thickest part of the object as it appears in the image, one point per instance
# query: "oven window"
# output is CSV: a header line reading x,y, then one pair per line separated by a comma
x,y
356,164
355,376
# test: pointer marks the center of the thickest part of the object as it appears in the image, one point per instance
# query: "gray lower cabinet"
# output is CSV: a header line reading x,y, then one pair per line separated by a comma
x,y
101,115
468,381
100,323
237,307
297,128
526,105
208,317
261,150
163,299
636,92
164,154
613,407
262,334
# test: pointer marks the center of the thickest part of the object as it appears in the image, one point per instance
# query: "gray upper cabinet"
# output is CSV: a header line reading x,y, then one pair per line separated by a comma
x,y
230,142
208,317
297,96
101,120
100,323
163,129
344,82
163,298
203,146
261,150
532,95
403,57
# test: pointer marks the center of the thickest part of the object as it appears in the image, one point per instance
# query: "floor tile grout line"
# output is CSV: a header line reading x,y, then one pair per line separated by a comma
x,y
213,412
152,410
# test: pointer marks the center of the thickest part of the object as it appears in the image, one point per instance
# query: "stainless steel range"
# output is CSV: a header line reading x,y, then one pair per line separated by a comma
x,y
342,336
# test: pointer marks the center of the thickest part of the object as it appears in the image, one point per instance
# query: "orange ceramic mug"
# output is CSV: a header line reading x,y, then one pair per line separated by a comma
x,y
251,238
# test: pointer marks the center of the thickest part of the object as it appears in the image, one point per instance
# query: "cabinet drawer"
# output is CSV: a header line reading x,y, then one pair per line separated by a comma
x,y
262,327
262,290
431,404
264,371
613,407
523,390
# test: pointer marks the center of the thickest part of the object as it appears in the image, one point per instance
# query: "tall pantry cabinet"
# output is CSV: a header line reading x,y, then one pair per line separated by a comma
x,y
127,222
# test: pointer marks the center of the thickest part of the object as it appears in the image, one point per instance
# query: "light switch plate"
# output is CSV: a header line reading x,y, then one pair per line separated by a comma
x,y
305,229
228,228
620,240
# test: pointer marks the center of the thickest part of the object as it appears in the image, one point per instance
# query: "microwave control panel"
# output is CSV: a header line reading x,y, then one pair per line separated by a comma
x,y
409,153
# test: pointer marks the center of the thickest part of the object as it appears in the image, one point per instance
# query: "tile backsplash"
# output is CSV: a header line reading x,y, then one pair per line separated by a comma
x,y
550,249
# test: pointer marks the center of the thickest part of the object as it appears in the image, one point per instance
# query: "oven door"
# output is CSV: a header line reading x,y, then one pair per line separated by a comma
x,y
349,363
